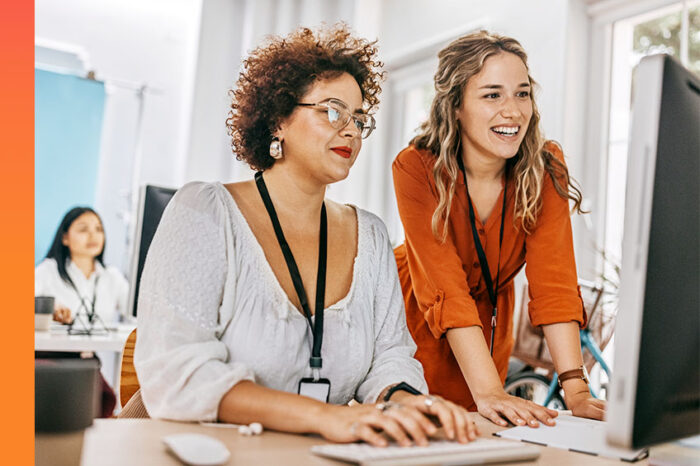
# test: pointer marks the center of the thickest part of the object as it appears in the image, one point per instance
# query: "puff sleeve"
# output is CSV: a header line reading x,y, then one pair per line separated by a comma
x,y
183,367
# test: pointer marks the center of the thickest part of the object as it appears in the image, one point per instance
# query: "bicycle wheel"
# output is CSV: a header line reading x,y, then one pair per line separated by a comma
x,y
533,387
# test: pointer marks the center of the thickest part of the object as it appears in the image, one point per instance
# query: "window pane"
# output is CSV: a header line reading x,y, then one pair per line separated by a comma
x,y
659,35
416,109
633,39
694,39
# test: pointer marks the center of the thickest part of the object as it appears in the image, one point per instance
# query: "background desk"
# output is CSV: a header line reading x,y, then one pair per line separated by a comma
x,y
57,339
137,442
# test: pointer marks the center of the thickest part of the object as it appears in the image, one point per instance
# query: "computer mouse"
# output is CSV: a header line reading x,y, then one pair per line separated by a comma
x,y
197,449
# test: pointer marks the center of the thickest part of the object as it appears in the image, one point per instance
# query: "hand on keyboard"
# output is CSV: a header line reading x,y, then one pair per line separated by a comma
x,y
454,419
404,421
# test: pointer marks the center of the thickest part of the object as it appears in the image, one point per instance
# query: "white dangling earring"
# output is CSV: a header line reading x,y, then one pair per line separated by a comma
x,y
276,149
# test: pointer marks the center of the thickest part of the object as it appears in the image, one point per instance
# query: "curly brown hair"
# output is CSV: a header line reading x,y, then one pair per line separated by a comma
x,y
278,73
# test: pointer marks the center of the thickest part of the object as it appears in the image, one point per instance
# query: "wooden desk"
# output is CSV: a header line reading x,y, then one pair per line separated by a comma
x,y
137,442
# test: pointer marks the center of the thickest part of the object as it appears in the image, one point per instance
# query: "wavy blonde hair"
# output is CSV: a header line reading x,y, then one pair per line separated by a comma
x,y
441,134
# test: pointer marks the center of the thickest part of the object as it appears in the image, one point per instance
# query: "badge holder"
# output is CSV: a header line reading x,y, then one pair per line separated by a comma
x,y
318,389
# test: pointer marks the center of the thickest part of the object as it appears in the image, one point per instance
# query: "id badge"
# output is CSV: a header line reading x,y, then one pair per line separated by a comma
x,y
317,389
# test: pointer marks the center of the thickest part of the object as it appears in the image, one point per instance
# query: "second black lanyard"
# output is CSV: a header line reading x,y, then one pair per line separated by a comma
x,y
492,290
91,309
315,361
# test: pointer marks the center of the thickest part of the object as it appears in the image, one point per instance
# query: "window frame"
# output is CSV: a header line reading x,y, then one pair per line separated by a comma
x,y
603,16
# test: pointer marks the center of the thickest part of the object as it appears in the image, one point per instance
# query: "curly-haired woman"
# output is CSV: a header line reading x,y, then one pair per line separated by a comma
x,y
481,194
264,301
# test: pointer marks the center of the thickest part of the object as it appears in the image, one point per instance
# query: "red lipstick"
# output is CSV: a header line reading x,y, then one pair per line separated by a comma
x,y
343,151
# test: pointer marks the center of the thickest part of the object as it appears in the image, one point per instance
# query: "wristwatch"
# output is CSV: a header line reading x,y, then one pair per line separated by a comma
x,y
403,386
580,373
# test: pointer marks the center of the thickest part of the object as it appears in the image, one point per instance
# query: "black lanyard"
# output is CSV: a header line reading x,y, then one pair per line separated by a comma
x,y
493,291
89,310
317,330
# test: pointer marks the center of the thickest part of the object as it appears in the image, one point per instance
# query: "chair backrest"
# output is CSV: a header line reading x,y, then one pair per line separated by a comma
x,y
128,382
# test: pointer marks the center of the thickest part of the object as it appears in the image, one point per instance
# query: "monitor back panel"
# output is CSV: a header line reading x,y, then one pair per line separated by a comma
x,y
667,402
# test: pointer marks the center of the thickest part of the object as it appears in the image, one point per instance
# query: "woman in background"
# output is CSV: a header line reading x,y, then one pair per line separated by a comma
x,y
263,300
481,194
74,273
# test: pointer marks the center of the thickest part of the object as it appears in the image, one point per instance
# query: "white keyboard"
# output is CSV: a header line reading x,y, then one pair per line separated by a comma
x,y
437,452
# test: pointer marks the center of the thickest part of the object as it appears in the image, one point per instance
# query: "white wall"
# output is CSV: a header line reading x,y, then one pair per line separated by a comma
x,y
151,43
575,126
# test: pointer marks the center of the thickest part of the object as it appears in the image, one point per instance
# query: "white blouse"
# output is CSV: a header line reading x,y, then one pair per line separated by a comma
x,y
106,284
212,313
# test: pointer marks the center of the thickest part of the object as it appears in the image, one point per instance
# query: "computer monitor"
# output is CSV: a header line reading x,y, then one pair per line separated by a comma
x,y
152,203
655,386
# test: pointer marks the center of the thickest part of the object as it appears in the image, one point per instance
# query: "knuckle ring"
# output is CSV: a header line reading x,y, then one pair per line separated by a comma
x,y
429,401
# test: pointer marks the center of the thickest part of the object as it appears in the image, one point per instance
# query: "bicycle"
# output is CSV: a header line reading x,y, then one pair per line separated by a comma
x,y
526,383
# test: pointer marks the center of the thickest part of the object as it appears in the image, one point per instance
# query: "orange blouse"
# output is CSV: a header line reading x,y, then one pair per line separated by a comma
x,y
442,283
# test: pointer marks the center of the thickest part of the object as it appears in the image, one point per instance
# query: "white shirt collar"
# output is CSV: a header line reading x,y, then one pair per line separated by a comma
x,y
74,271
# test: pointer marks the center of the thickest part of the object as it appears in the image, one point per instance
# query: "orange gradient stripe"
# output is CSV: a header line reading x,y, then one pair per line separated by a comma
x,y
17,231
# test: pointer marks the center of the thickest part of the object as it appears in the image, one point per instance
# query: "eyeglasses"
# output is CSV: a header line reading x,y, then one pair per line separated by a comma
x,y
339,116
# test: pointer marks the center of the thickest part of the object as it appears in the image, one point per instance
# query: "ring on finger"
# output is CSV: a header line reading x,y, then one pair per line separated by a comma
x,y
386,405
353,428
429,401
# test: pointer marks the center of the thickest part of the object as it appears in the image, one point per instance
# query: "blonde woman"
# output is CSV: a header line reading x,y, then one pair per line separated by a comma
x,y
481,195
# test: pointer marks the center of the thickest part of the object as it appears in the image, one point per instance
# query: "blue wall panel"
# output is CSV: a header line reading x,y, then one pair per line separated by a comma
x,y
68,113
